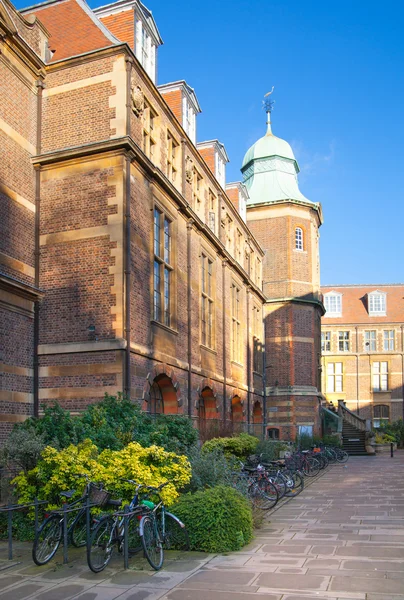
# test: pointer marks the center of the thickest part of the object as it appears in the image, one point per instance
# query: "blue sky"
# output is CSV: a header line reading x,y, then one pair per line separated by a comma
x,y
337,68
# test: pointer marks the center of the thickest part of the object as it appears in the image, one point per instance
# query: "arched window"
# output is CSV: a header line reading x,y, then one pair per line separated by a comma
x,y
156,400
273,433
299,238
381,414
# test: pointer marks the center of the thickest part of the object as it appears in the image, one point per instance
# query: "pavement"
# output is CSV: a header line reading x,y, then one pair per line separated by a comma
x,y
342,538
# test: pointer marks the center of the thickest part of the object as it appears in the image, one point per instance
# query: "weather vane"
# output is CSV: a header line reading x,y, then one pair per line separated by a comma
x,y
267,103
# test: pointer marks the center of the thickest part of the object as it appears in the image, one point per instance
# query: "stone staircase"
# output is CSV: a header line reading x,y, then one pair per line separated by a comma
x,y
353,432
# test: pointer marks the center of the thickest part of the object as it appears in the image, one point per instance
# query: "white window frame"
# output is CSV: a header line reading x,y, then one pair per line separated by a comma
x,y
334,377
380,376
389,340
370,340
377,304
299,239
377,421
326,341
333,300
343,341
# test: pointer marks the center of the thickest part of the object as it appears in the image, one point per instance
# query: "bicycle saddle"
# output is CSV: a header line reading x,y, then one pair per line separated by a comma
x,y
68,494
114,502
250,469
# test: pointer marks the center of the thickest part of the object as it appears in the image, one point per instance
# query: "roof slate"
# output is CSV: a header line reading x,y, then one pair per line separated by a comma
x,y
355,304
71,27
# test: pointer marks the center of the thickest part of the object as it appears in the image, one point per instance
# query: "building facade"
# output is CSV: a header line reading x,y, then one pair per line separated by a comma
x,y
362,339
127,264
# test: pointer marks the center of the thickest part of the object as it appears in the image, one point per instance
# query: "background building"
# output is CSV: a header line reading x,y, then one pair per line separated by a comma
x,y
127,264
362,339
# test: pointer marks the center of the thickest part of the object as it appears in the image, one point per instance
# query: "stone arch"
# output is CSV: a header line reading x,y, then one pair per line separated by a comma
x,y
237,411
161,392
257,412
207,405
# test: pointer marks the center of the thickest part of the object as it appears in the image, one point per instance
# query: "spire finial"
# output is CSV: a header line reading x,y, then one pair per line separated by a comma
x,y
268,106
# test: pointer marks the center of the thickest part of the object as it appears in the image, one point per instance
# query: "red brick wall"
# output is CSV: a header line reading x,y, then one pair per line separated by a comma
x,y
174,101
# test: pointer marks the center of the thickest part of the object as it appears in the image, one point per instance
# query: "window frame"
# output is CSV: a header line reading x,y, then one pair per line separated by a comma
x,y
257,341
380,374
344,342
236,322
336,376
208,336
389,340
149,120
372,339
373,298
299,239
163,261
326,341
338,304
379,418
172,157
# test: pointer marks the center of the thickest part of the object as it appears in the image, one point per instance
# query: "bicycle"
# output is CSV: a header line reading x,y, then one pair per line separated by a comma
x,y
149,527
49,535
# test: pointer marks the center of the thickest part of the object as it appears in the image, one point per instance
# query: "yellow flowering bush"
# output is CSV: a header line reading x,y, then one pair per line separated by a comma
x,y
55,471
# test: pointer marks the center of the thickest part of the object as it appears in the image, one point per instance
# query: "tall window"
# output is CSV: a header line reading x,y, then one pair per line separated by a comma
x,y
370,341
388,340
163,269
156,405
197,191
149,133
333,304
380,376
381,414
334,377
377,303
236,315
258,270
207,302
326,341
257,330
212,211
172,151
299,238
343,341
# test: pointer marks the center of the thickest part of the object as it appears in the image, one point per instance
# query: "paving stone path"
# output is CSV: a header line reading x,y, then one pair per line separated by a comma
x,y
342,538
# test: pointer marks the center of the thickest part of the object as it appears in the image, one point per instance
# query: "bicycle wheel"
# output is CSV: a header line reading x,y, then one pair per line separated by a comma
x,y
47,540
311,467
134,540
101,545
342,456
278,481
78,531
175,535
263,499
297,487
152,546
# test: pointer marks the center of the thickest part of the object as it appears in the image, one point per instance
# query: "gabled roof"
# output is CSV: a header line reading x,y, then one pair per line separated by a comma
x,y
124,5
73,27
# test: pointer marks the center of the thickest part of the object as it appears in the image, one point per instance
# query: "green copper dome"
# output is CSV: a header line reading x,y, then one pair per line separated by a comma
x,y
267,146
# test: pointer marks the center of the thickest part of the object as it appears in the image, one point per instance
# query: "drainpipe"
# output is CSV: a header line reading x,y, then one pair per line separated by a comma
x,y
224,337
264,381
402,363
40,86
127,269
248,362
357,370
189,310
127,254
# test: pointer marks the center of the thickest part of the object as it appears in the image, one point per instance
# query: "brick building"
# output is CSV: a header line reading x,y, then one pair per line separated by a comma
x,y
362,338
127,264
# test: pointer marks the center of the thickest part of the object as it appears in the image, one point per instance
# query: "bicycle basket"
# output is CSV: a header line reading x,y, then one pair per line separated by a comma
x,y
98,496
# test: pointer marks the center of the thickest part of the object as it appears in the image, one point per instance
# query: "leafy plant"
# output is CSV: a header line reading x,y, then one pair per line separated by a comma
x,y
209,469
56,470
218,519
384,438
270,450
241,445
22,448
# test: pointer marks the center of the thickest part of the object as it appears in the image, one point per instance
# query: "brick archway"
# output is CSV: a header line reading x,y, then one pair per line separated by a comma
x,y
161,392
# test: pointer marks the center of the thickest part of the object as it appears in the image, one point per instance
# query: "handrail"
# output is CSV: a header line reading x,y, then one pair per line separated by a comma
x,y
350,417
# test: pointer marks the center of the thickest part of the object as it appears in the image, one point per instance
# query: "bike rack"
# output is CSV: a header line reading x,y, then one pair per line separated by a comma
x,y
10,509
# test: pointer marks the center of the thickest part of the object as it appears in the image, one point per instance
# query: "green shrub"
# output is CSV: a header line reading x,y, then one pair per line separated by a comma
x,y
22,448
396,429
241,445
218,519
270,450
304,441
384,438
209,469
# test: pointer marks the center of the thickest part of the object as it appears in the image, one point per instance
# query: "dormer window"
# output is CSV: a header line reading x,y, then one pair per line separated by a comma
x,y
189,123
377,304
333,304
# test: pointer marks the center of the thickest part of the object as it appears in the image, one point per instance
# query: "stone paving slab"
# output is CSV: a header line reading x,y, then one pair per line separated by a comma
x,y
341,539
